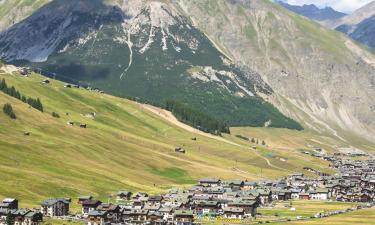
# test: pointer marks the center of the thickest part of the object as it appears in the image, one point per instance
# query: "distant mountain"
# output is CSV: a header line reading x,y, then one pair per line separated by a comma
x,y
360,25
313,12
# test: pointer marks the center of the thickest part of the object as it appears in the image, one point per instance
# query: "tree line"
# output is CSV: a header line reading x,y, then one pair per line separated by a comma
x,y
196,118
12,91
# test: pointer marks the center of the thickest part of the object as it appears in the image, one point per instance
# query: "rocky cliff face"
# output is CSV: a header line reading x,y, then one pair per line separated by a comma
x,y
320,77
317,76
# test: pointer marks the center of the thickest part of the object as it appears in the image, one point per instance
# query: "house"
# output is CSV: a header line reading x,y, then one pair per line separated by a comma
x,y
167,213
180,150
113,211
205,207
90,205
81,199
210,182
183,217
33,218
123,195
319,194
26,217
97,218
137,215
155,218
9,203
46,81
55,207
249,207
233,213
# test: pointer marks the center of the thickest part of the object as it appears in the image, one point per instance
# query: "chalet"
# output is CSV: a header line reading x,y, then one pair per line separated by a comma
x,y
209,182
249,207
123,195
24,72
138,215
55,207
9,203
26,217
319,194
180,150
205,207
32,218
90,205
155,217
249,185
167,213
46,81
155,199
81,199
183,217
97,218
113,211
233,213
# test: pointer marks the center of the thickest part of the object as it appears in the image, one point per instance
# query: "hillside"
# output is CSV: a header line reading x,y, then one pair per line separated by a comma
x,y
125,146
13,11
155,55
360,25
320,77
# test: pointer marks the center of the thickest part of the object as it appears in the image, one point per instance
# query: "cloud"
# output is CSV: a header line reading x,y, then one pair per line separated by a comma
x,y
347,6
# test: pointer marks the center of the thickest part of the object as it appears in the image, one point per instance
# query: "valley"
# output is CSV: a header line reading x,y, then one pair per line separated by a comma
x,y
185,112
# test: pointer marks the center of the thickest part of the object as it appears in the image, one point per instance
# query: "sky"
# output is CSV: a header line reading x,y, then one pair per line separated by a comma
x,y
346,6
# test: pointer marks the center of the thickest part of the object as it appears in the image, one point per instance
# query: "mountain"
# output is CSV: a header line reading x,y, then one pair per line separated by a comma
x,y
314,75
13,11
126,145
313,12
155,54
360,25
320,77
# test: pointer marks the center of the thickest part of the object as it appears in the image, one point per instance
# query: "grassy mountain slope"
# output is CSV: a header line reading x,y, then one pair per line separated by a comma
x,y
124,147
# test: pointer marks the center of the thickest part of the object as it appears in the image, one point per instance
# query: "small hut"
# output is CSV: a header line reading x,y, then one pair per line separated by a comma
x,y
180,150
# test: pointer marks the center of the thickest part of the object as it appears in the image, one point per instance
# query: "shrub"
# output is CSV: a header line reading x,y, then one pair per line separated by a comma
x,y
8,110
55,114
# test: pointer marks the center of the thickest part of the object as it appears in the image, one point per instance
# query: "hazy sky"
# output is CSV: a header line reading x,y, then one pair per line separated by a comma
x,y
346,6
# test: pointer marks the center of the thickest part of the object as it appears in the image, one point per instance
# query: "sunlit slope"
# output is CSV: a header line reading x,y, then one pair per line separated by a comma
x,y
124,147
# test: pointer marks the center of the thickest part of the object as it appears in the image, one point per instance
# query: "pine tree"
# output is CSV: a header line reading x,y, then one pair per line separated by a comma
x,y
263,142
7,109
3,84
252,140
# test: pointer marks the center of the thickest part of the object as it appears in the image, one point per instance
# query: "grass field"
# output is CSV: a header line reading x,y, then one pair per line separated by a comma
x,y
125,147
362,217
302,208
